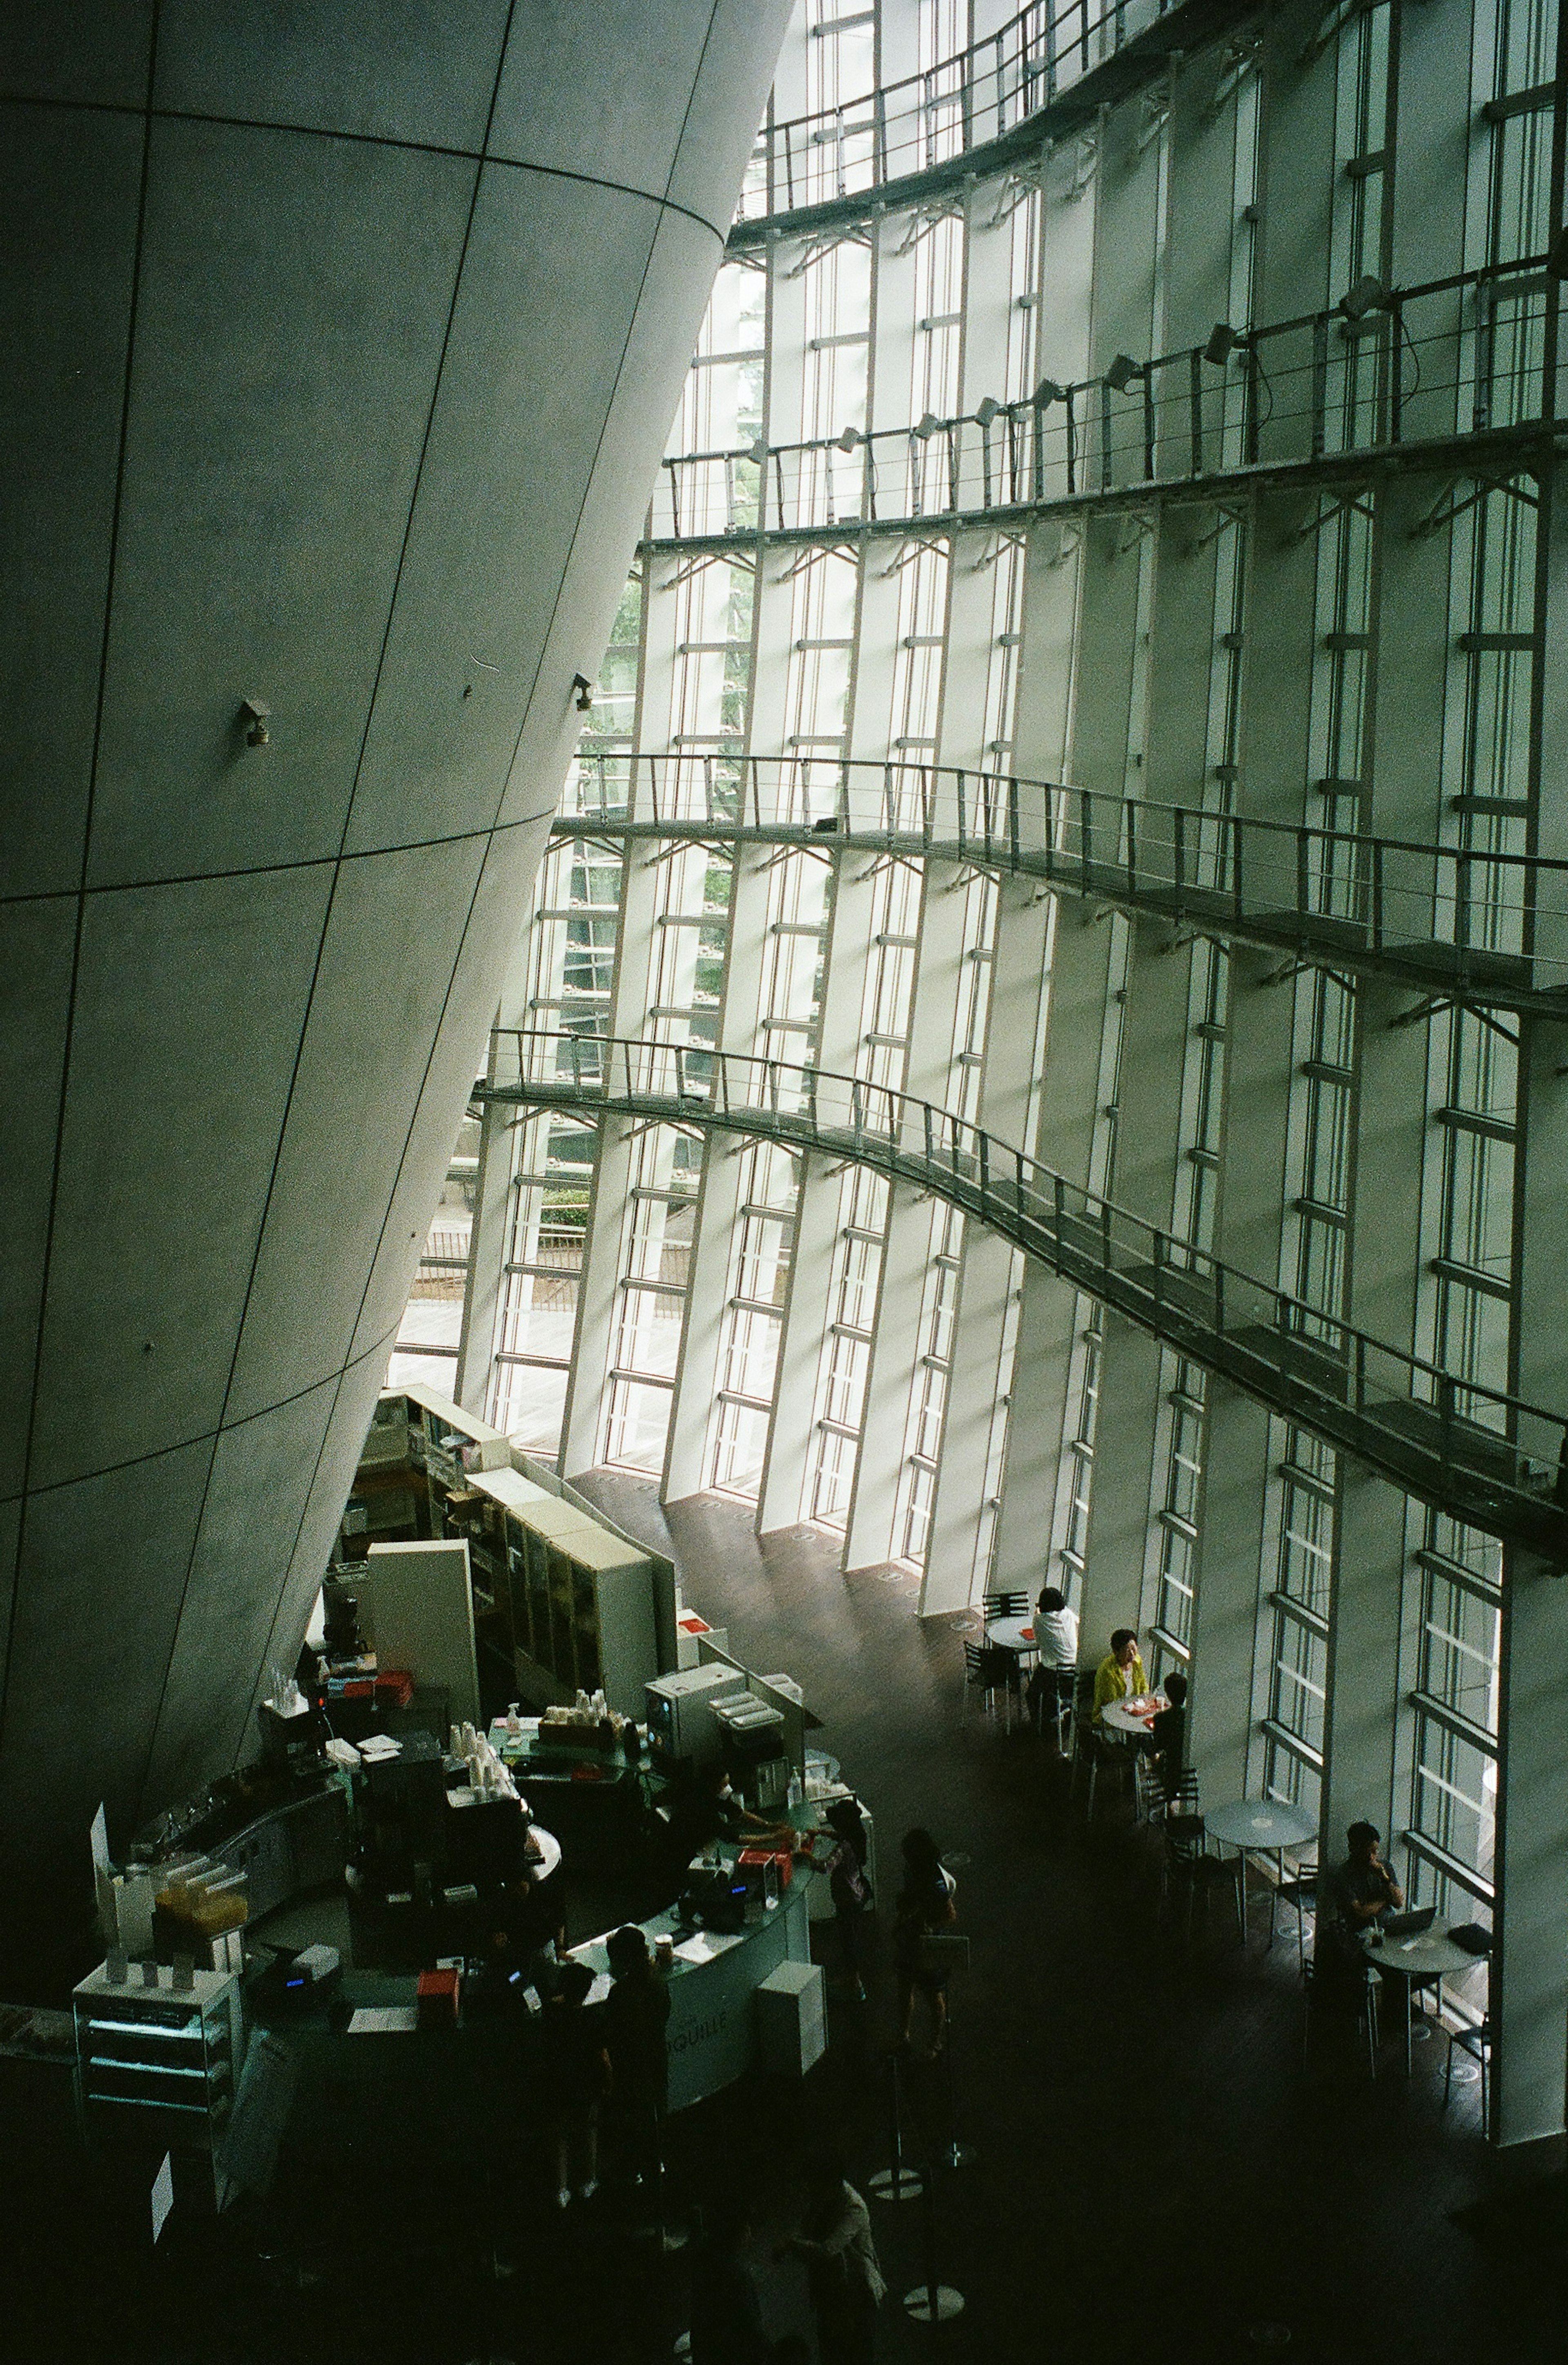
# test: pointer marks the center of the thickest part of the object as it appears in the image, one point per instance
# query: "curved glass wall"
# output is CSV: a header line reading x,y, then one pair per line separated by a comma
x,y
1077,465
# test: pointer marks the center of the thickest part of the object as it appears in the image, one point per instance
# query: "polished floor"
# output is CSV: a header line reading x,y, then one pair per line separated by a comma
x,y
1153,2170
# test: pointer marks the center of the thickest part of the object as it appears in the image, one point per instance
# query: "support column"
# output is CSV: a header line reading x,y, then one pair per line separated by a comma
x,y
785,1496
1529,2060
1124,1471
1224,1604
1363,1658
984,1361
724,1165
1530,1970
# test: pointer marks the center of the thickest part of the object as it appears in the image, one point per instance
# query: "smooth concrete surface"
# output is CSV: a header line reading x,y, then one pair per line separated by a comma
x,y
341,340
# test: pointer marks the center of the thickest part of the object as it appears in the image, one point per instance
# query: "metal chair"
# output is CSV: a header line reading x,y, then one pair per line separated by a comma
x,y
988,1671
1189,1869
1298,1888
1364,1990
1477,2043
1004,1605
1101,1755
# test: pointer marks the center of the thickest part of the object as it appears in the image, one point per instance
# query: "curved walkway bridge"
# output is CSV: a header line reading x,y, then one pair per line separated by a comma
x,y
1456,924
1481,1456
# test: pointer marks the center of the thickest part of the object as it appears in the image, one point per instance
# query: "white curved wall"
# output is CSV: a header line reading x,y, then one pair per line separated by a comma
x,y
342,342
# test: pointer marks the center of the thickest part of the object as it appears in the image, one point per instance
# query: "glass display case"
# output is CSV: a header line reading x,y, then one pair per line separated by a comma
x,y
159,2066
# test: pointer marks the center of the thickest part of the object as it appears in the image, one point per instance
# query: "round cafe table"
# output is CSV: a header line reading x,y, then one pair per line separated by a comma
x,y
1262,1827
1014,1635
1417,1962
1127,1720
542,1866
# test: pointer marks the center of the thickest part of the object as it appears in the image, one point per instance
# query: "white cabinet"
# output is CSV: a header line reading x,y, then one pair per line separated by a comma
x,y
159,2066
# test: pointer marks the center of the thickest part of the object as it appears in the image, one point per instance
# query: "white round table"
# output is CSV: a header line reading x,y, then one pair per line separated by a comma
x,y
548,1860
1262,1827
1433,1956
1014,1635
1121,1716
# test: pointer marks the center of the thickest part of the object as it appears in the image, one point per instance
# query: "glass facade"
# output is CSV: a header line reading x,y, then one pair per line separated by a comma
x,y
1034,696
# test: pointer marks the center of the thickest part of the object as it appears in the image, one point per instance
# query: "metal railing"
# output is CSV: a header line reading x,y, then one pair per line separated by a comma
x,y
941,113
1478,923
1455,357
1485,1457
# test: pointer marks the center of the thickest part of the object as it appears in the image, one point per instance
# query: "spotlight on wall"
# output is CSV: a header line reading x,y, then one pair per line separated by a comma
x,y
986,411
1223,342
848,440
584,689
758,451
253,713
1368,294
927,427
1124,372
1557,255
1047,392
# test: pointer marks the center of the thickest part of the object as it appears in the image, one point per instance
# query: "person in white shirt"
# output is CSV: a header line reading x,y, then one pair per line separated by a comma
x,y
1056,1640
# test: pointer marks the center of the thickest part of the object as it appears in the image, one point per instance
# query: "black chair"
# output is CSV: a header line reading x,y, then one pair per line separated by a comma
x,y
1477,2043
1004,1605
1355,1983
988,1671
1095,1750
1191,1874
1298,1888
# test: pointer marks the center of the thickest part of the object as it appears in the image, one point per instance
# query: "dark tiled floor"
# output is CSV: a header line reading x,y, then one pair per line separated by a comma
x,y
1153,2169
1146,2139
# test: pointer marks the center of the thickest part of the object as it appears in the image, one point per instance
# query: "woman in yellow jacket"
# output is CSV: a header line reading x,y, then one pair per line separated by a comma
x,y
1120,1675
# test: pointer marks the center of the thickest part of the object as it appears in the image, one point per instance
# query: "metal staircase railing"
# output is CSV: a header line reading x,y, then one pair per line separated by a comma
x,y
1469,358
1474,923
1485,1457
943,112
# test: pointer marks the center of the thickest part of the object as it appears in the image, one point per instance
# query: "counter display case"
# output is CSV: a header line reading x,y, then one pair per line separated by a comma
x,y
160,2066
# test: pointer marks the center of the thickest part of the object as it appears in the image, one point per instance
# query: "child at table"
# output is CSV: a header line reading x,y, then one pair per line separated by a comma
x,y
1168,1734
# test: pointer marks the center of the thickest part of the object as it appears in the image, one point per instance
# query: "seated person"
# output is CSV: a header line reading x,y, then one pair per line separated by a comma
x,y
1361,1890
1056,1640
1168,1734
1120,1674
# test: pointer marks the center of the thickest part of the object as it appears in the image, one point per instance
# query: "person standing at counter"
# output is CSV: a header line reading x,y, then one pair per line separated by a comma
x,y
636,2013
924,1908
579,2078
847,1885
843,2273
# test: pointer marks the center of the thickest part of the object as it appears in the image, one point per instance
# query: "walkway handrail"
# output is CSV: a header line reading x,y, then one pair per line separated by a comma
x,y
942,111
1453,357
1474,923
1485,1457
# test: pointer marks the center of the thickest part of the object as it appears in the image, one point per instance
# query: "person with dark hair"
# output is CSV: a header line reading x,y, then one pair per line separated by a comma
x,y
576,2082
1168,1734
726,2317
924,1908
1363,1887
842,2271
1056,1644
1120,1674
636,2013
847,1885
